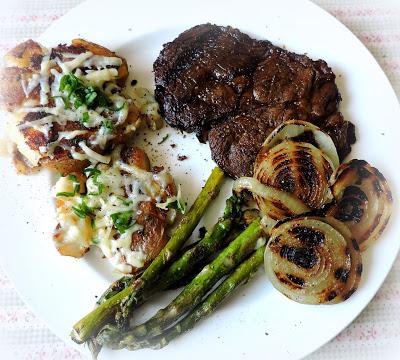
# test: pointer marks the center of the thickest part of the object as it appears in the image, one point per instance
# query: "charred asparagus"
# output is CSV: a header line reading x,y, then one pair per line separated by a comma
x,y
191,295
95,320
239,276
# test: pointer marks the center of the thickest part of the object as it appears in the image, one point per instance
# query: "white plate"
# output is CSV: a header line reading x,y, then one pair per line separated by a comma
x,y
257,322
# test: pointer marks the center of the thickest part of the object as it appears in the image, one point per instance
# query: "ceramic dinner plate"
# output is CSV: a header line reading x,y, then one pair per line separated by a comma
x,y
257,321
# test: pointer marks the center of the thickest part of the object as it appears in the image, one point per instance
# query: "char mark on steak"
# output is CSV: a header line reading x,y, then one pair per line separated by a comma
x,y
201,76
224,85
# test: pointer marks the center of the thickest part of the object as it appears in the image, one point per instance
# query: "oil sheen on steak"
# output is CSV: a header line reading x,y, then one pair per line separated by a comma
x,y
233,90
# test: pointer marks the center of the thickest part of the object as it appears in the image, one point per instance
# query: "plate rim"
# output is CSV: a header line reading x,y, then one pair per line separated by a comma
x,y
388,85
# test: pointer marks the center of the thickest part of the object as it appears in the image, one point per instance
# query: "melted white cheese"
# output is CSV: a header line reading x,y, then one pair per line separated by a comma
x,y
92,70
37,123
68,135
99,77
92,155
24,88
144,100
101,62
33,83
31,155
69,66
44,80
114,198
73,235
101,138
68,55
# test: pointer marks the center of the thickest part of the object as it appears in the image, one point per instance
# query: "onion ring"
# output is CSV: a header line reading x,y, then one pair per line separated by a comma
x,y
303,131
298,168
273,203
363,201
313,260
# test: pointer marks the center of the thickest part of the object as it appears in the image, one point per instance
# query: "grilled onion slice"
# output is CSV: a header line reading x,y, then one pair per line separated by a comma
x,y
303,131
363,201
313,260
297,168
273,203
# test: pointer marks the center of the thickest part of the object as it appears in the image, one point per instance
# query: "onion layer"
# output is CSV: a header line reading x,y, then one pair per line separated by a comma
x,y
298,130
313,260
363,201
297,168
273,203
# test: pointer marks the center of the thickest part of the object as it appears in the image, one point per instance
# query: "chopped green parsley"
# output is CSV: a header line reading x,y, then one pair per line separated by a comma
x,y
82,210
163,139
94,173
76,185
122,220
81,94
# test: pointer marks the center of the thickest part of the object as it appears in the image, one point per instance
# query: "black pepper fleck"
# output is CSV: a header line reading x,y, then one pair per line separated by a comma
x,y
182,157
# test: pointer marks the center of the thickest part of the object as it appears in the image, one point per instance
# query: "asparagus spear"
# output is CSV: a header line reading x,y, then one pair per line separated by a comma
x,y
95,320
188,265
239,276
192,294
188,276
127,280
211,242
116,287
183,270
192,257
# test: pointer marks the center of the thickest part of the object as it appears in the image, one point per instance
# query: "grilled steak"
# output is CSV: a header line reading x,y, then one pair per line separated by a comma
x,y
233,90
201,76
232,143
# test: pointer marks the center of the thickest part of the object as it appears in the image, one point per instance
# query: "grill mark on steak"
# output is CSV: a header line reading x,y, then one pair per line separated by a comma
x,y
234,90
201,76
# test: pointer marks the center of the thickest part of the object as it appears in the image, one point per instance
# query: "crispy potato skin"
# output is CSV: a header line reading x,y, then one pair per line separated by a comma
x,y
12,95
25,60
27,55
133,155
79,248
63,164
21,63
154,221
100,50
152,238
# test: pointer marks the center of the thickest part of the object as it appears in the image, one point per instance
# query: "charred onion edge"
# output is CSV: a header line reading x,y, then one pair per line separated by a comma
x,y
290,278
359,171
291,160
293,128
295,205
